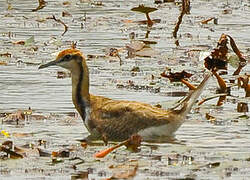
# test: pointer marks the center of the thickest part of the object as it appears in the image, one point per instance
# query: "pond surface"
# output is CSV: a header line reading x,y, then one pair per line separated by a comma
x,y
204,149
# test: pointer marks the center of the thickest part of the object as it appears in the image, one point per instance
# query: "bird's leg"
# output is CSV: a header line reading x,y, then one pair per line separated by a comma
x,y
105,139
134,142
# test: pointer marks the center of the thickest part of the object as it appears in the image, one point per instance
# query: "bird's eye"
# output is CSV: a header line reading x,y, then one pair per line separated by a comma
x,y
67,57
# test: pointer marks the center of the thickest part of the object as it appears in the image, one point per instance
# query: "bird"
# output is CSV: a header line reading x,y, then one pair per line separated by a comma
x,y
117,120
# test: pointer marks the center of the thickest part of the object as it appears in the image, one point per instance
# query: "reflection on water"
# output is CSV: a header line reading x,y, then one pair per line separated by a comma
x,y
95,29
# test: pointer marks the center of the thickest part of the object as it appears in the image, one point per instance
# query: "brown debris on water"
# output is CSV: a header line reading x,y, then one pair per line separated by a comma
x,y
113,52
210,117
8,55
185,10
242,107
146,10
61,153
242,59
21,115
124,171
66,14
218,58
10,153
212,97
135,46
179,77
19,42
207,20
243,82
176,77
3,63
66,3
141,49
16,152
41,5
59,21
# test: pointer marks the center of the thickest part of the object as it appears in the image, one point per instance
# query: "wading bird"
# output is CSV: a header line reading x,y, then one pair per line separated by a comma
x,y
118,120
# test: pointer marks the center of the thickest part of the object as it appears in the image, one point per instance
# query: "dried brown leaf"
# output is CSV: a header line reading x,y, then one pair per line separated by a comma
x,y
6,54
125,171
176,77
3,63
41,5
59,21
207,20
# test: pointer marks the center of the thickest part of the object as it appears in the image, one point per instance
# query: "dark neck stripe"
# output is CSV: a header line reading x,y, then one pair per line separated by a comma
x,y
81,103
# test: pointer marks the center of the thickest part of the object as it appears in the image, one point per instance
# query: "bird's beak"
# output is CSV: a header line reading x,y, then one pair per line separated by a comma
x,y
51,63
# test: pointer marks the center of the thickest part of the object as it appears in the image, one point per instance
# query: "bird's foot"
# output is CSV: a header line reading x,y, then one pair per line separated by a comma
x,y
134,142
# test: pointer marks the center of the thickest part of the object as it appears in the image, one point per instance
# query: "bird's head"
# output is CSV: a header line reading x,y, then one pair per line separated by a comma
x,y
68,59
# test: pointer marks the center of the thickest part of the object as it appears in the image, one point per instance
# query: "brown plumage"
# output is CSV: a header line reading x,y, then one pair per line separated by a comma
x,y
117,120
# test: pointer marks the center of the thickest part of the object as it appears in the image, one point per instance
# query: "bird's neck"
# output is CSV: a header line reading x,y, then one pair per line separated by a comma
x,y
80,88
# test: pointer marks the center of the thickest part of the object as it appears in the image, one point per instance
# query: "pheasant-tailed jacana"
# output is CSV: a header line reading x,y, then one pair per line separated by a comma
x,y
118,120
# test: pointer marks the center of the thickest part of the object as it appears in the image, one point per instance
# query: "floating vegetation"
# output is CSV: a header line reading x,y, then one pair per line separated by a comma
x,y
146,10
41,5
61,22
185,10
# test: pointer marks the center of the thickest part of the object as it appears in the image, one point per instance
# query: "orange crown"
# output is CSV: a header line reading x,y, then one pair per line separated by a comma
x,y
68,51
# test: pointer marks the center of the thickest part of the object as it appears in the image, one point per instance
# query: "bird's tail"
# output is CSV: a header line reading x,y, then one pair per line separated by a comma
x,y
187,103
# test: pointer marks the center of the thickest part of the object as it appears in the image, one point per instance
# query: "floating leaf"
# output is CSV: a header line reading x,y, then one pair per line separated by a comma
x,y
30,41
124,171
144,9
135,46
177,76
243,116
233,60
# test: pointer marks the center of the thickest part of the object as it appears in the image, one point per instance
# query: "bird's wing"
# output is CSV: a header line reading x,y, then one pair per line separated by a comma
x,y
119,120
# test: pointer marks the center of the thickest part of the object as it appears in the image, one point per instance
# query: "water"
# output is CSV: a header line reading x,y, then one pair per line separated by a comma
x,y
225,140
